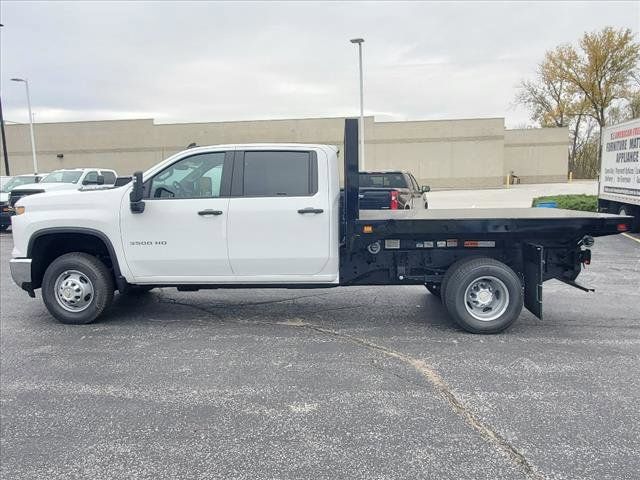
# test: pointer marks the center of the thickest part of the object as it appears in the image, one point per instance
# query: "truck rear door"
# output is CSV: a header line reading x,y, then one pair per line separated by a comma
x,y
279,214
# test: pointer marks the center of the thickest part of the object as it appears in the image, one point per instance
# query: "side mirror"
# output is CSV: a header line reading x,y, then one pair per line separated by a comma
x,y
100,180
425,188
137,194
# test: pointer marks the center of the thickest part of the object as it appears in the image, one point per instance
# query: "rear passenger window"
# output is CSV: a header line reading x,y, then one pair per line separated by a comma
x,y
274,174
109,177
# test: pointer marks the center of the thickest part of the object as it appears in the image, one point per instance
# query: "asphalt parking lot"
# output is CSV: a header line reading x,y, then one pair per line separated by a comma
x,y
337,383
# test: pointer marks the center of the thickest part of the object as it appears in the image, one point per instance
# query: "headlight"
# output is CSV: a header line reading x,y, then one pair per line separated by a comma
x,y
19,210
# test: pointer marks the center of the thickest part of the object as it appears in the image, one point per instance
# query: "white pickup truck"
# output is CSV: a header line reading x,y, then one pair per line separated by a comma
x,y
267,215
66,179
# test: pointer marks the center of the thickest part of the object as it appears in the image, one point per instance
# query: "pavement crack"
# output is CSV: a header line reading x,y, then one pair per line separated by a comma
x,y
423,368
457,405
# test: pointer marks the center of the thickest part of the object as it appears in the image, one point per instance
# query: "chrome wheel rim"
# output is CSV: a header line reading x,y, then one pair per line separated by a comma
x,y
74,291
486,298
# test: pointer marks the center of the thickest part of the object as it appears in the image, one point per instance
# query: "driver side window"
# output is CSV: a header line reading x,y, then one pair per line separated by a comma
x,y
197,176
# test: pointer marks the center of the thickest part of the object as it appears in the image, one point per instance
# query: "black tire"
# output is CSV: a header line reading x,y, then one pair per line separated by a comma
x,y
94,270
449,272
434,289
464,275
3,227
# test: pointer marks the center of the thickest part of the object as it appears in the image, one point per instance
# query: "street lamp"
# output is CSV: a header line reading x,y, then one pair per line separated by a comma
x,y
33,141
360,41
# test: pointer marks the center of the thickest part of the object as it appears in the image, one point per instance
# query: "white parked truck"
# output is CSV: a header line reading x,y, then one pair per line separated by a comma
x,y
619,190
270,215
66,179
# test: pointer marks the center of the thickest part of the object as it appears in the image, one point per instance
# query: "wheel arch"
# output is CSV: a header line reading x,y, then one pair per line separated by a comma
x,y
49,243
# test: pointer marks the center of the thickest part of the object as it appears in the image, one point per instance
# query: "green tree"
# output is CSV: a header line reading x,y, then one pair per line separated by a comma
x,y
599,78
602,68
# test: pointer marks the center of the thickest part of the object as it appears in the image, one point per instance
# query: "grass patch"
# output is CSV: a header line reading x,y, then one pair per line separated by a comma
x,y
586,203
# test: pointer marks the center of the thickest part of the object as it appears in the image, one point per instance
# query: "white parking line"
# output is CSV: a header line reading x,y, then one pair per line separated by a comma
x,y
631,237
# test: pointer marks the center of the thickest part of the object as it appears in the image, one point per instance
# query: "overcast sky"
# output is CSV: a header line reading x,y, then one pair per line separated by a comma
x,y
200,61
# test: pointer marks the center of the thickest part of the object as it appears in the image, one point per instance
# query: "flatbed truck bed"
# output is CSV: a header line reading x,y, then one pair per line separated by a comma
x,y
511,221
438,247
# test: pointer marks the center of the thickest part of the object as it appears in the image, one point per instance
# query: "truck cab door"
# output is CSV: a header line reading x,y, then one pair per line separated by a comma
x,y
279,215
181,236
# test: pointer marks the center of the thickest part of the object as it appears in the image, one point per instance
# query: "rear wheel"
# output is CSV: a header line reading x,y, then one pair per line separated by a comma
x,y
77,288
3,227
447,275
483,295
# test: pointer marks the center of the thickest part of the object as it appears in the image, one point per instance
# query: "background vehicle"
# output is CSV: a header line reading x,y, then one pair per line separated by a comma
x,y
391,190
619,190
11,183
66,179
269,215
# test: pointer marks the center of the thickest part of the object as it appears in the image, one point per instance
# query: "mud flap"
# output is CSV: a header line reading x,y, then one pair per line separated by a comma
x,y
533,276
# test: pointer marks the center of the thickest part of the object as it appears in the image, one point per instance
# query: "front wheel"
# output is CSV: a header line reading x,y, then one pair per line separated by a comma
x,y
3,227
77,288
483,295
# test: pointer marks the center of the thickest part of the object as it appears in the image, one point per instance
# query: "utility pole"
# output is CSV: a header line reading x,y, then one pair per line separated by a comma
x,y
4,138
4,142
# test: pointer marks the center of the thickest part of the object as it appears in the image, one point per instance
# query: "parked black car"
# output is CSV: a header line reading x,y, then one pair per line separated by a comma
x,y
391,190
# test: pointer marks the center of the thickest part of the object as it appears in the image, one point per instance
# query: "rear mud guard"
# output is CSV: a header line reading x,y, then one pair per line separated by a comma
x,y
533,257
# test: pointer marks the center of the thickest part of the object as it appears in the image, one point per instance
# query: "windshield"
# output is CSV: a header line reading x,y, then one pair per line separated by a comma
x,y
62,176
382,180
16,182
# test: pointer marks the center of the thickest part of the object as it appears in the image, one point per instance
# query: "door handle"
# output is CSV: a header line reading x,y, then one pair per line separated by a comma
x,y
210,212
310,210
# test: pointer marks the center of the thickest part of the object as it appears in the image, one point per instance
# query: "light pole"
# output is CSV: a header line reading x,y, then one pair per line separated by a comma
x,y
360,41
33,140
4,138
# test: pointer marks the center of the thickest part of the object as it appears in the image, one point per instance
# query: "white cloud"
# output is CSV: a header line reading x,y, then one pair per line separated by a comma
x,y
200,61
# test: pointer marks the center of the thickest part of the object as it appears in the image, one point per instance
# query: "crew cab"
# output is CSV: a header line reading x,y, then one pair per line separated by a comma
x,y
391,190
269,215
66,179
14,182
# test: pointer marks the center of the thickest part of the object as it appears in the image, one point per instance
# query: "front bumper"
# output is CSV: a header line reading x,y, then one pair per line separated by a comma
x,y
21,273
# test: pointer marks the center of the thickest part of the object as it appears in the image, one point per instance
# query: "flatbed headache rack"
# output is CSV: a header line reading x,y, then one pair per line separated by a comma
x,y
382,247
